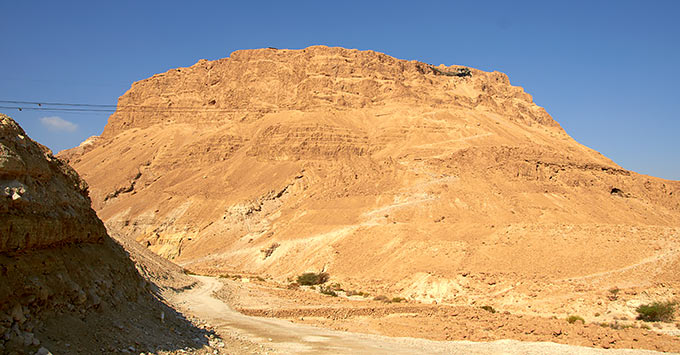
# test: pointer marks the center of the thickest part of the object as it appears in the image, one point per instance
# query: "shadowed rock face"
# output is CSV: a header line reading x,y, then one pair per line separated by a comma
x,y
43,201
55,254
62,278
384,172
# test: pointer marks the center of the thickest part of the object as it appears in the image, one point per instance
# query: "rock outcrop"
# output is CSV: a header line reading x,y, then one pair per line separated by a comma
x,y
386,173
64,283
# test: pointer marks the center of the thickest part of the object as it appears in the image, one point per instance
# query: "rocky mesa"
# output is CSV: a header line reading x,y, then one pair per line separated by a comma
x,y
434,183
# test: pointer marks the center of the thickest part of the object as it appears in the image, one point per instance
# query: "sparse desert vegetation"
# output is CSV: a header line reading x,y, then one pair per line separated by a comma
x,y
657,311
382,298
328,291
312,278
613,294
488,309
574,318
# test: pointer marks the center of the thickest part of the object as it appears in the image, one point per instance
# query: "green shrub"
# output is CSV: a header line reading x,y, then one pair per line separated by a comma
x,y
656,312
312,278
573,319
327,291
613,294
488,309
336,287
398,299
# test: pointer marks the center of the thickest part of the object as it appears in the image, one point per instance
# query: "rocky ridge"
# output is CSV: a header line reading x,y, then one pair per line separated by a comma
x,y
65,285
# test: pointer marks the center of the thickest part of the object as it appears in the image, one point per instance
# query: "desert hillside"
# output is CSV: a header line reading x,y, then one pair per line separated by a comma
x,y
433,183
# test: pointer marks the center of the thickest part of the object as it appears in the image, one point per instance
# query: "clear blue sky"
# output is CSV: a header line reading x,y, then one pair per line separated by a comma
x,y
607,71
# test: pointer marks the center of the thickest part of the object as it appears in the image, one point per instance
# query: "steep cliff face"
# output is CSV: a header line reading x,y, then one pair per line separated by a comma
x,y
252,83
63,281
384,172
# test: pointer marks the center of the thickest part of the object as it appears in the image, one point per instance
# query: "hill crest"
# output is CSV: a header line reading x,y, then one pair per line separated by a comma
x,y
251,83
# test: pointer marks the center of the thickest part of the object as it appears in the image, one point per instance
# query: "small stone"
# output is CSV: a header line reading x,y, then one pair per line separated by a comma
x,y
43,351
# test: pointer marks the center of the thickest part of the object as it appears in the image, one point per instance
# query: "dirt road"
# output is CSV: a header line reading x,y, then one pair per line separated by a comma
x,y
290,338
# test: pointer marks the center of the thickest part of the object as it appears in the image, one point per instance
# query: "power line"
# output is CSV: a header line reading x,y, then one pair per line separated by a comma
x,y
122,109
85,107
39,103
44,105
55,109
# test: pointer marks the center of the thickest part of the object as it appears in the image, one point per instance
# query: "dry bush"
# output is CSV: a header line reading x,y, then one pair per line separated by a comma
x,y
488,309
312,278
328,291
382,298
573,319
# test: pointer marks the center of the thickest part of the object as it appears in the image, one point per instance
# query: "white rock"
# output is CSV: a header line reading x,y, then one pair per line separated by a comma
x,y
43,351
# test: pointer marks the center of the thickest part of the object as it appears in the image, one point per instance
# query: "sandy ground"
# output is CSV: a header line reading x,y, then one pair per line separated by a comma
x,y
281,336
